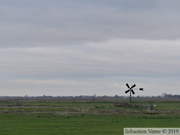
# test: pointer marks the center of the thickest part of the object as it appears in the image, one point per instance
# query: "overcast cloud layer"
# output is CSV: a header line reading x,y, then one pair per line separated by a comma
x,y
86,47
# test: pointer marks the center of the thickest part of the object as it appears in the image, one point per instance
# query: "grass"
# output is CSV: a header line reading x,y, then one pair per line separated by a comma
x,y
46,124
82,117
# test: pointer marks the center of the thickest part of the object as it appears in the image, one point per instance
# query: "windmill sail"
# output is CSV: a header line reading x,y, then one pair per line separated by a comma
x,y
133,92
127,85
133,86
127,91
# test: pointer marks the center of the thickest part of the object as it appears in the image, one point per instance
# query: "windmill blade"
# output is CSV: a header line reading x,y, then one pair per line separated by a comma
x,y
133,92
127,91
127,85
133,86
140,88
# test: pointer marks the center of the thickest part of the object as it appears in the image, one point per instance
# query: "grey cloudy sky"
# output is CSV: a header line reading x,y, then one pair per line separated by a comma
x,y
86,47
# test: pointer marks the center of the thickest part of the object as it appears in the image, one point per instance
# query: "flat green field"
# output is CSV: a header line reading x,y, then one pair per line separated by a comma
x,y
83,116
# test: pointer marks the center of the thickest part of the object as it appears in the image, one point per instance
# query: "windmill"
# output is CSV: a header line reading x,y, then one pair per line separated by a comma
x,y
131,91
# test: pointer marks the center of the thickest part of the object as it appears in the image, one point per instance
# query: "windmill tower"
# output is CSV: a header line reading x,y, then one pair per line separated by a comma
x,y
131,91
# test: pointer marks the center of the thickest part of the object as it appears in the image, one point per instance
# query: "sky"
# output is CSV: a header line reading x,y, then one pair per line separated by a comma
x,y
87,47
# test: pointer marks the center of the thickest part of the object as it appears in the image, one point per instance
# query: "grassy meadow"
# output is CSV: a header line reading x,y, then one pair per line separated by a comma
x,y
84,116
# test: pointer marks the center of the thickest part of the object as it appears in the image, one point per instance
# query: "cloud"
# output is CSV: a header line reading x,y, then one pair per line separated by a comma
x,y
108,42
56,23
119,57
